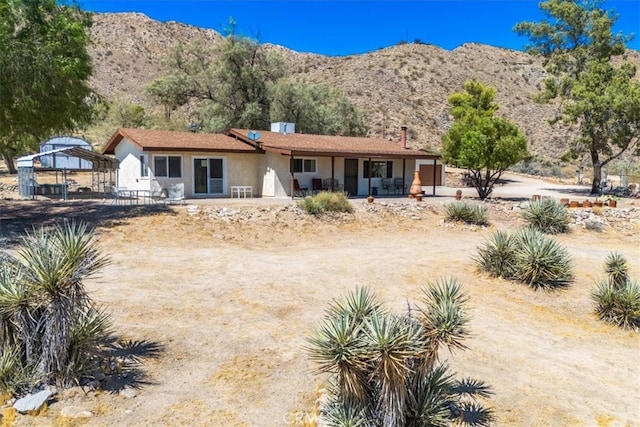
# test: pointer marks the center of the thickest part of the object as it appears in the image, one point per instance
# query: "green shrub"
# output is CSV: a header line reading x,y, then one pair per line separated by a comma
x,y
541,262
548,216
619,306
528,256
384,368
617,298
617,269
497,255
46,315
326,201
471,213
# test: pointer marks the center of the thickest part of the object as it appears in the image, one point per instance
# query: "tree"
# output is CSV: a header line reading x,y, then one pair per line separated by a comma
x,y
384,368
599,97
237,82
477,140
316,109
228,81
45,72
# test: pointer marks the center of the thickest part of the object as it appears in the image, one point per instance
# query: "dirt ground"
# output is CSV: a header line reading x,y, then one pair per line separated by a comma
x,y
227,292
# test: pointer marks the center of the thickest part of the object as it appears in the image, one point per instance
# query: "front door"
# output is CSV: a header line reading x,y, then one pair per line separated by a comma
x,y
208,176
351,176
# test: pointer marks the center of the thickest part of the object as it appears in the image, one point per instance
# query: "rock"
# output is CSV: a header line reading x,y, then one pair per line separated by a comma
x,y
128,393
75,412
32,402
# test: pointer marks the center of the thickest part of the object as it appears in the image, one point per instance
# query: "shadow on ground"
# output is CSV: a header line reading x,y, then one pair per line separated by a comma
x,y
17,216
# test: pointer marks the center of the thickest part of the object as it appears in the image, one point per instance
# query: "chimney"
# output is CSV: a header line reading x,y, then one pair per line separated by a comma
x,y
403,136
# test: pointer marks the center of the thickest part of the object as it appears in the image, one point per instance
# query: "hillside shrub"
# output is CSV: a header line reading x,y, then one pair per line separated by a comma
x,y
547,215
470,213
384,367
617,297
326,201
527,256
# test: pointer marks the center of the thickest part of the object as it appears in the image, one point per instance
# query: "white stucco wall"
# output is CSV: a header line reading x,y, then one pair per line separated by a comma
x,y
239,169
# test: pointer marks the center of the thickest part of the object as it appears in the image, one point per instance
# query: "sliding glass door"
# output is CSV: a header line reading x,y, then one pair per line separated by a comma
x,y
208,176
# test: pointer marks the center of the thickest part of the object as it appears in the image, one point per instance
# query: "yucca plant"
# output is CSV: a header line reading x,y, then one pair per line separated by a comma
x,y
497,255
470,213
617,298
617,269
384,368
547,215
541,261
45,311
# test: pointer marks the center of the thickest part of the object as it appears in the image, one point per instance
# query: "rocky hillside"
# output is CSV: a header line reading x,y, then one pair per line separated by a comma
x,y
399,85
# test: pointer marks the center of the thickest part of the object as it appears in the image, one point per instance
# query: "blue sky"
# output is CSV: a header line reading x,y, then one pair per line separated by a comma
x,y
358,26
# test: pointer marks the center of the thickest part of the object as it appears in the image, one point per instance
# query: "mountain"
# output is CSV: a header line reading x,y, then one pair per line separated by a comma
x,y
407,84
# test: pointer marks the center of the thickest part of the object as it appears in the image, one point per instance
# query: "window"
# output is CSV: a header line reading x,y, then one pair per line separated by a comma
x,y
304,165
167,166
144,166
379,169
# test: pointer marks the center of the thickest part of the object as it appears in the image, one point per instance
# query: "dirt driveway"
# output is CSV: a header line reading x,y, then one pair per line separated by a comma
x,y
228,292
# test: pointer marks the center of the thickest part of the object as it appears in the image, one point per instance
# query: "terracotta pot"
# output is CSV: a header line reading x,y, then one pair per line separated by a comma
x,y
574,204
416,185
419,197
535,197
564,202
587,204
458,194
370,199
598,203
612,203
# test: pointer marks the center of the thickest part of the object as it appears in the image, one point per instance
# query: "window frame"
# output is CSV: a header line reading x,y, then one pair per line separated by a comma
x,y
304,162
168,170
388,168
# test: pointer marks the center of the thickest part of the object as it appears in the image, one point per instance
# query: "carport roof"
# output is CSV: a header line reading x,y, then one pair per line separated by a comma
x,y
98,161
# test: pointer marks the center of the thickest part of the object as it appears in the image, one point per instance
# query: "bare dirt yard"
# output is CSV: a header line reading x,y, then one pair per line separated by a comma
x,y
226,292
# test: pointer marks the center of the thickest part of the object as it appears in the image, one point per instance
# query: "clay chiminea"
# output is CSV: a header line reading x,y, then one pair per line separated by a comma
x,y
416,185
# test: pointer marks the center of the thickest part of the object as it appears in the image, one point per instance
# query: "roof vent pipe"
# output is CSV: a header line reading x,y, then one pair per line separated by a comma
x,y
403,136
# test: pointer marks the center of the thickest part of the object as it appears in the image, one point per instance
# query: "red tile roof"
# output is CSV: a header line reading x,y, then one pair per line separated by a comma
x,y
327,145
162,140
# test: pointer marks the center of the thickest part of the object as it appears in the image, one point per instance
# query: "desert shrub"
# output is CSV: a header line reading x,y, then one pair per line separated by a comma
x,y
541,262
497,255
50,328
471,213
528,256
619,306
547,215
384,368
592,225
326,201
617,298
617,269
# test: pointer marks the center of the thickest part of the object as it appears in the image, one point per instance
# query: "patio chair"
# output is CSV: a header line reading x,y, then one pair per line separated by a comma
x,y
387,185
316,185
331,184
159,195
398,185
299,190
176,193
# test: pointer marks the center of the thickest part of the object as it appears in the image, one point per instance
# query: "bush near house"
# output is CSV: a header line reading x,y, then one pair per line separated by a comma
x,y
326,201
470,213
